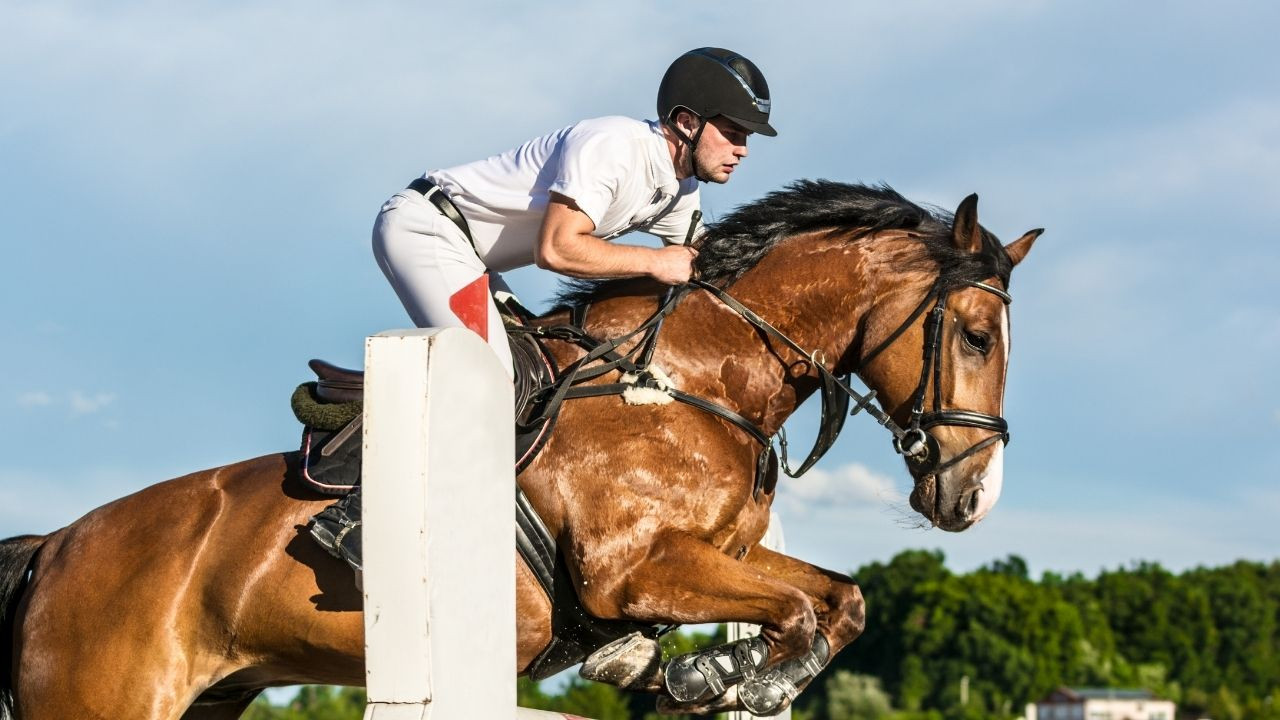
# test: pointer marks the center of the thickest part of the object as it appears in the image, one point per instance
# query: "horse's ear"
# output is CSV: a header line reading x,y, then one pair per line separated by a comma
x,y
965,232
1019,248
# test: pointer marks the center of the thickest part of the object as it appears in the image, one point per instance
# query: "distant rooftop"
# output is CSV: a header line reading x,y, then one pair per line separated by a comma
x,y
1076,694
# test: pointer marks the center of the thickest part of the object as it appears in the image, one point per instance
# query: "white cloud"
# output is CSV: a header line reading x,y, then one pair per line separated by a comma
x,y
82,404
78,402
843,486
35,398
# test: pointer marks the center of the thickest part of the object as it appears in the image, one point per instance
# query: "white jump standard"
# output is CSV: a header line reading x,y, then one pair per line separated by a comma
x,y
439,580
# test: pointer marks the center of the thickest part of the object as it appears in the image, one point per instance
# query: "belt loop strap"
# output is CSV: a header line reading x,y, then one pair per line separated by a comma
x,y
437,197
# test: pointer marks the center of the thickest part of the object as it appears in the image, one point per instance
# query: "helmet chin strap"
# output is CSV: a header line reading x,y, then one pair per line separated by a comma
x,y
691,143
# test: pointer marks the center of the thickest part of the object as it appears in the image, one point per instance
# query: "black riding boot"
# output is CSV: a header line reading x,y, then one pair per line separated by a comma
x,y
337,529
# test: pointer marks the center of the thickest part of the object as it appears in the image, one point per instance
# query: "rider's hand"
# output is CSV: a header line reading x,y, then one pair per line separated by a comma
x,y
673,264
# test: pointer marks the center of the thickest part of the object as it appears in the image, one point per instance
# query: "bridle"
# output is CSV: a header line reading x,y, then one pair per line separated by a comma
x,y
914,443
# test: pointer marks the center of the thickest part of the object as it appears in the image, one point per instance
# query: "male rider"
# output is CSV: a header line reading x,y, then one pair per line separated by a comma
x,y
558,201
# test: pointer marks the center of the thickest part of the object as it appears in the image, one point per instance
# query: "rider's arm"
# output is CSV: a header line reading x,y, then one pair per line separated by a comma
x,y
566,246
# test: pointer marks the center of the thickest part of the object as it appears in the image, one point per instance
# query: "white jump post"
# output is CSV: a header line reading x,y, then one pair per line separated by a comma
x,y
439,532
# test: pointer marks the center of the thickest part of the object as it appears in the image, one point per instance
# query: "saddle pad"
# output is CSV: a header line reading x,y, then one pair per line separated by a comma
x,y
330,459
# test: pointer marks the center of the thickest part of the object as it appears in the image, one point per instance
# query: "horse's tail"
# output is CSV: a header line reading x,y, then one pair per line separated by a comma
x,y
16,555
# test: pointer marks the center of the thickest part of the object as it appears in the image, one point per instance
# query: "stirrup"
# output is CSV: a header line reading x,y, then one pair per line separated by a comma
x,y
337,530
708,673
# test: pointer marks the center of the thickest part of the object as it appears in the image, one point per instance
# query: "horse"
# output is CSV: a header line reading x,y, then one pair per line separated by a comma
x,y
186,599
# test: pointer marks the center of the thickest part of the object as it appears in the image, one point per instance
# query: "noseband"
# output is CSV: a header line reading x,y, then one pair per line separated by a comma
x,y
920,448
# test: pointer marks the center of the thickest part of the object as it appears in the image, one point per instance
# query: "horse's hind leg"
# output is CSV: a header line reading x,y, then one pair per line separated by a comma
x,y
100,692
90,651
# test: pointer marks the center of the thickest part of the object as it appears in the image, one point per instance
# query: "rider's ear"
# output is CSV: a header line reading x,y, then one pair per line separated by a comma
x,y
687,121
1019,248
965,232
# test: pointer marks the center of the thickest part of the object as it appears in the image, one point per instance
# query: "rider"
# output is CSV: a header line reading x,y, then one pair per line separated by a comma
x,y
557,201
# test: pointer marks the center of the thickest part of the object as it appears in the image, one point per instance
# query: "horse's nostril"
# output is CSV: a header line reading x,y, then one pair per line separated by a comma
x,y
968,505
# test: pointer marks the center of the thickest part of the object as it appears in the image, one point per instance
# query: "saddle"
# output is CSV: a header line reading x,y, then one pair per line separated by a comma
x,y
330,409
533,367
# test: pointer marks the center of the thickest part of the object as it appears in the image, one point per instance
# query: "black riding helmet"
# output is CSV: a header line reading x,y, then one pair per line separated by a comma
x,y
713,81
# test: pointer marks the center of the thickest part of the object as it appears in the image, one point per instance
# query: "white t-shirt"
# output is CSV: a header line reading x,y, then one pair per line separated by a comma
x,y
618,170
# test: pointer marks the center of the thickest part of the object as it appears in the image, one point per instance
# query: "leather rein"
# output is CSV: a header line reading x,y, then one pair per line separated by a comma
x,y
914,443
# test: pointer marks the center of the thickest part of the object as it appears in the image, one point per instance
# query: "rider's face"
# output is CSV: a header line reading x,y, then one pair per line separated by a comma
x,y
722,146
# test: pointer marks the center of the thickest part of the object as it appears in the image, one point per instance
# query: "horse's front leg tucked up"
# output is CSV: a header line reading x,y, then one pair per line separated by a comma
x,y
836,599
686,580
841,613
837,602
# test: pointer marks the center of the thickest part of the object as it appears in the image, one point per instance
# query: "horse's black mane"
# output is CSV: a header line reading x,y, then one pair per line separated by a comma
x,y
735,244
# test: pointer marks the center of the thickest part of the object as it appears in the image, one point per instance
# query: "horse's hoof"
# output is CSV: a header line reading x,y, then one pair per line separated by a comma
x,y
728,702
632,662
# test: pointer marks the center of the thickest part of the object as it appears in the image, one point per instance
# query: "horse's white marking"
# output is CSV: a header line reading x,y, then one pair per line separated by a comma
x,y
993,475
1004,335
992,483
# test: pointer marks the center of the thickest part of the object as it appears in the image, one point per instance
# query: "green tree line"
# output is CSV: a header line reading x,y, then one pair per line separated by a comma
x,y
1206,638
945,646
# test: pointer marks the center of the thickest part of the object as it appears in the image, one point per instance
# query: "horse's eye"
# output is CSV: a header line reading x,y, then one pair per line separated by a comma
x,y
976,340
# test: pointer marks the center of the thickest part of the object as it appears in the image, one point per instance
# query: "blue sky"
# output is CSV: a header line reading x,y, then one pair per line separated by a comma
x,y
188,193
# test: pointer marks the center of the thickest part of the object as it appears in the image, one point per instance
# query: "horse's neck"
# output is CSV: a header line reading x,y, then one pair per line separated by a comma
x,y
816,294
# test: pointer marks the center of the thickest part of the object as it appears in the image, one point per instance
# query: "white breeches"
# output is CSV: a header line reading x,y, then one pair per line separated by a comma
x,y
435,271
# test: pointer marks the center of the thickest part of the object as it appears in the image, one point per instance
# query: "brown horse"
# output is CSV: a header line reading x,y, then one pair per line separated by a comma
x,y
187,598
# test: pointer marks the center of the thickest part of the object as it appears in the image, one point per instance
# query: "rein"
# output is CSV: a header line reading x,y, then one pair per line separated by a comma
x,y
914,443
